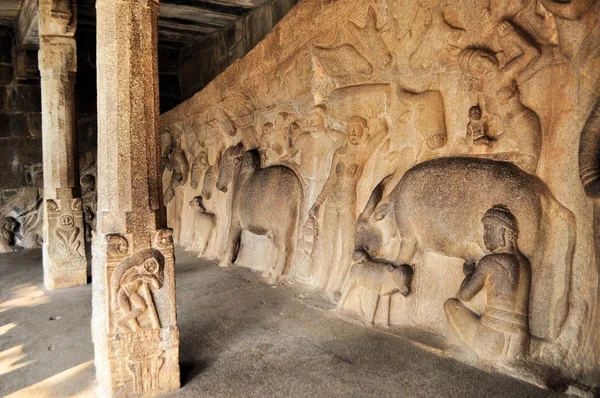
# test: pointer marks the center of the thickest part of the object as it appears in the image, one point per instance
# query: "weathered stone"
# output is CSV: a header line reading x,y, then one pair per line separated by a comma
x,y
35,124
64,258
3,100
24,98
6,74
13,125
27,66
423,166
134,323
6,45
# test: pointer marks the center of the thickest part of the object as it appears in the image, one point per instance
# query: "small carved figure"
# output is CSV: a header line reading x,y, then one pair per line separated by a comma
x,y
266,201
204,225
134,294
270,149
334,248
382,279
502,330
477,128
10,226
518,136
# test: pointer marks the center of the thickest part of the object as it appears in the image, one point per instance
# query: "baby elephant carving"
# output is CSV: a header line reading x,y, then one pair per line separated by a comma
x,y
381,279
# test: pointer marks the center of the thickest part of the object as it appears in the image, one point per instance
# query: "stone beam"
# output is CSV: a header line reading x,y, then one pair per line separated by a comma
x,y
134,324
63,251
27,26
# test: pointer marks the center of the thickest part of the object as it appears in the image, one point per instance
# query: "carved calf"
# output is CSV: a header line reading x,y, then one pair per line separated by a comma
x,y
204,225
438,206
381,279
266,201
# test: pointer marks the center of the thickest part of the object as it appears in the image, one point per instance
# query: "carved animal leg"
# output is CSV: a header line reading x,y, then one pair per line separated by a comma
x,y
233,244
346,294
277,267
408,249
370,314
290,251
385,303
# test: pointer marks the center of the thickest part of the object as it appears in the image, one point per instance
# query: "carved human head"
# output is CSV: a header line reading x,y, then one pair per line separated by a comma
x,y
357,127
475,112
267,128
478,62
499,227
317,119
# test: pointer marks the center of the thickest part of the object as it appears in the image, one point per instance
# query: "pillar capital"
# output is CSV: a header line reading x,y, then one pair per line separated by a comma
x,y
57,55
57,18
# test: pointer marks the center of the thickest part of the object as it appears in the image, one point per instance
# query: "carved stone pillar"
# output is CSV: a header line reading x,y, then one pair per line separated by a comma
x,y
64,251
134,321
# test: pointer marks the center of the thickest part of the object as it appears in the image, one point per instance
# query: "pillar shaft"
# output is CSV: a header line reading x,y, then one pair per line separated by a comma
x,y
134,321
64,246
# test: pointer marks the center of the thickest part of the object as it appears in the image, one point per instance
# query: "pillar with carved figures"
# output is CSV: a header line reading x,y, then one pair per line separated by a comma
x,y
64,248
134,322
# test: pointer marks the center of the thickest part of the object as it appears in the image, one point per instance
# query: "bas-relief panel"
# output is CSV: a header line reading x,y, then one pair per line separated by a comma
x,y
417,164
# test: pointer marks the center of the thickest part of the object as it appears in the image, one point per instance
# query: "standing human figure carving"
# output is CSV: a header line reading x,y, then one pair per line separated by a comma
x,y
520,137
315,149
333,255
502,330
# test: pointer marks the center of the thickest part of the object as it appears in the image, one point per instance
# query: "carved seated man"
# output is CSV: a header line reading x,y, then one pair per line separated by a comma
x,y
135,296
502,330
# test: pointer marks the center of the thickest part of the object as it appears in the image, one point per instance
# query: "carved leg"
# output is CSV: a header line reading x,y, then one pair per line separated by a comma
x,y
290,251
233,243
462,321
408,249
277,267
346,294
385,303
370,314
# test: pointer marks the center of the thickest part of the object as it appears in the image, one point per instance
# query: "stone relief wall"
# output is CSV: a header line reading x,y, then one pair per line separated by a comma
x,y
416,163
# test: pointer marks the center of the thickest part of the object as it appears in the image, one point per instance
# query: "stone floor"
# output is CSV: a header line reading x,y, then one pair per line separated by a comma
x,y
239,338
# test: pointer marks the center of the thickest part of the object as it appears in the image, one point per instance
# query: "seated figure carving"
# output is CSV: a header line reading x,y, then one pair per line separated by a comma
x,y
382,279
502,330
